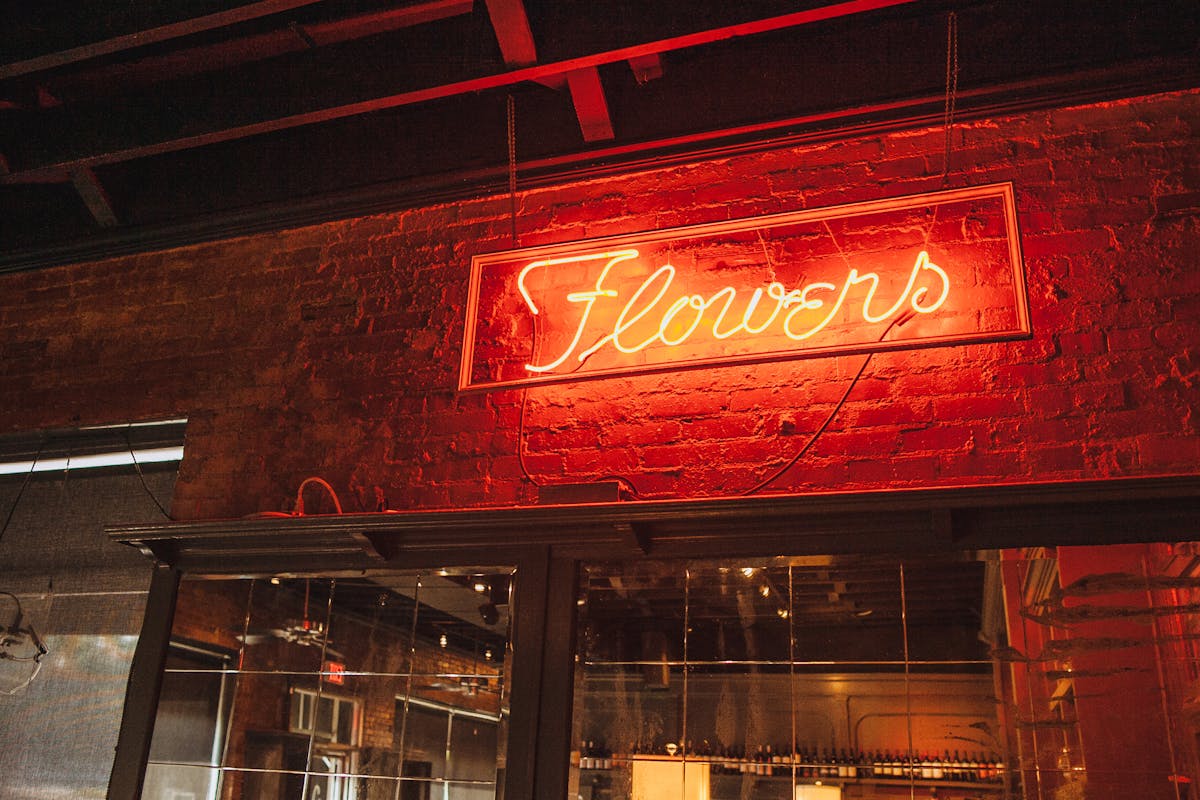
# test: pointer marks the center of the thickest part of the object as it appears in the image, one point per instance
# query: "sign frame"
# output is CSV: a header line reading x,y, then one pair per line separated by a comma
x,y
1001,191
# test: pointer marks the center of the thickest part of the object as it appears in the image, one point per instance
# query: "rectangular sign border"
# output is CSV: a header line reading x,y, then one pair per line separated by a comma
x,y
1004,191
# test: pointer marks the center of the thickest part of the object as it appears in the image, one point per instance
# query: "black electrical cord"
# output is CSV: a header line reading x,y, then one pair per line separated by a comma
x,y
138,468
791,462
13,509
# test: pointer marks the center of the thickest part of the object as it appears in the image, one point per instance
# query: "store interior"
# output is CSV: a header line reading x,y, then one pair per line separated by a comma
x,y
1037,673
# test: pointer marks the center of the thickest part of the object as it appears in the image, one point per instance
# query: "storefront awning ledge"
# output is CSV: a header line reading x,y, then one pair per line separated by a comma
x,y
904,520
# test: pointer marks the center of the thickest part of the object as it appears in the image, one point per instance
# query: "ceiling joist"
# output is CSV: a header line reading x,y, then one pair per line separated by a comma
x,y
163,33
587,93
95,197
513,33
149,70
58,166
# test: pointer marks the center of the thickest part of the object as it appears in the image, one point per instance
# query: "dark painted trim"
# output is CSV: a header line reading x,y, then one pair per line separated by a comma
x,y
145,683
557,692
528,643
904,520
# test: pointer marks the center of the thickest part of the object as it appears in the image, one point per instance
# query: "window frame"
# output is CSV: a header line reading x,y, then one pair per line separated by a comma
x,y
547,543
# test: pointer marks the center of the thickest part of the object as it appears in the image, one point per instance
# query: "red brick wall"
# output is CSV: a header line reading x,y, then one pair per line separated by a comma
x,y
332,350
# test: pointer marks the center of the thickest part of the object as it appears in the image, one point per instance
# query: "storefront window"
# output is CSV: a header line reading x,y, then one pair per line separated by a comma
x,y
389,686
1048,674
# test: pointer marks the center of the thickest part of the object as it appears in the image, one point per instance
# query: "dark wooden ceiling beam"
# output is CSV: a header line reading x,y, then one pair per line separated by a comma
x,y
56,165
110,78
208,22
92,192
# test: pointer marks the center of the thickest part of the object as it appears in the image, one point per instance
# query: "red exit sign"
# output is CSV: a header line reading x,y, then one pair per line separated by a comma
x,y
927,270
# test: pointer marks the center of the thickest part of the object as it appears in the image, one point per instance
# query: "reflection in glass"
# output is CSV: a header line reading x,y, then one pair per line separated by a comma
x,y
1041,673
784,678
65,709
387,686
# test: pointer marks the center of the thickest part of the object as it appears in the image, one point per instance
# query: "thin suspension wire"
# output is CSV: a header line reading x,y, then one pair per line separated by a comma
x,y
951,90
512,216
512,167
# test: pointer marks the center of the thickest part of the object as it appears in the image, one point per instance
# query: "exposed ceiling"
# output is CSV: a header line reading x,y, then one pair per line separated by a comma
x,y
850,611
127,126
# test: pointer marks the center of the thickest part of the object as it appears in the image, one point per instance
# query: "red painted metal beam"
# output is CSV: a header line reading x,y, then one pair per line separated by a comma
x,y
511,24
587,93
61,171
646,68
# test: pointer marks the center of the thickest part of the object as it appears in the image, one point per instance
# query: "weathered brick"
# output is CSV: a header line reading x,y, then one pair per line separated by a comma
x,y
307,349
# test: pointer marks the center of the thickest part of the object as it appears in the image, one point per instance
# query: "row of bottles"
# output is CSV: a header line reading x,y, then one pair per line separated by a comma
x,y
813,762
594,755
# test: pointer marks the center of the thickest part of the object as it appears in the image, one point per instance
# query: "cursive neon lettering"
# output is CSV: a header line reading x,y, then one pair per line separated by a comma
x,y
790,311
587,298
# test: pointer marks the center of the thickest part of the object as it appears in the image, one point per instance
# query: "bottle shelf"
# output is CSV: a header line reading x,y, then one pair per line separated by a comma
x,y
781,773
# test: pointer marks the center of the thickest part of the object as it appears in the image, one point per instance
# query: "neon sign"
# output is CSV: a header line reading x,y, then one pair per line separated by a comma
x,y
922,271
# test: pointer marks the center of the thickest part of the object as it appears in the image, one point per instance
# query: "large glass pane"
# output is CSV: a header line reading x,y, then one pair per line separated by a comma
x,y
813,677
389,685
1066,673
66,677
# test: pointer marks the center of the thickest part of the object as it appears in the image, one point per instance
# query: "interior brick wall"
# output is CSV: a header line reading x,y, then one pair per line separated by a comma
x,y
332,350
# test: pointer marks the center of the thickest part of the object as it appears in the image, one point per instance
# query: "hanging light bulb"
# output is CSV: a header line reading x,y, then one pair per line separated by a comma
x,y
443,641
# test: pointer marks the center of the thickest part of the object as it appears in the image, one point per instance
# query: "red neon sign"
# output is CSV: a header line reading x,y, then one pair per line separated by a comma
x,y
923,271
334,672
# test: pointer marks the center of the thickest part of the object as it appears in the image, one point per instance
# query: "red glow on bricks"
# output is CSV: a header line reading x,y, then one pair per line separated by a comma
x,y
920,271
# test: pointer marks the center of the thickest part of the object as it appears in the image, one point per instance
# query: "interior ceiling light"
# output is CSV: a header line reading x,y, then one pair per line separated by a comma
x,y
443,641
120,458
481,586
748,571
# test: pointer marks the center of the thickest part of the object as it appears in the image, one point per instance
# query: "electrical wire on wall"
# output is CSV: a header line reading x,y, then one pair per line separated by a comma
x,y
812,439
898,321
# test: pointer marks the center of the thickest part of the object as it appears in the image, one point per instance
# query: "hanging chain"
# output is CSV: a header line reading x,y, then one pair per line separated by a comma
x,y
951,89
512,166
